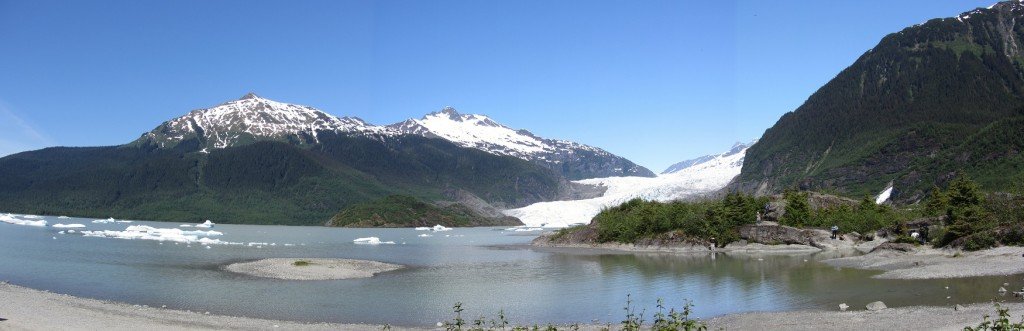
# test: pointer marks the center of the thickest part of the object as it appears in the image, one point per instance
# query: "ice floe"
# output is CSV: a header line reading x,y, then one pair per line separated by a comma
x,y
438,227
144,232
109,220
206,224
425,235
60,225
11,219
371,241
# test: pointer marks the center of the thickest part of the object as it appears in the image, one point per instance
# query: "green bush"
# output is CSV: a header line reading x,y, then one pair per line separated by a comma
x,y
718,219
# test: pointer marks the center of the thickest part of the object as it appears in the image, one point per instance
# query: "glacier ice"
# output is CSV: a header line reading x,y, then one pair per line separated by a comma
x,y
693,181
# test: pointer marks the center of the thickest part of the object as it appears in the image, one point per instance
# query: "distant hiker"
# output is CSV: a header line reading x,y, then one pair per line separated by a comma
x,y
758,217
712,244
835,231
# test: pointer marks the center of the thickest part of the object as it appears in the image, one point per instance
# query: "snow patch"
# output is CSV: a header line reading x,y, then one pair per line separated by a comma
x,y
884,196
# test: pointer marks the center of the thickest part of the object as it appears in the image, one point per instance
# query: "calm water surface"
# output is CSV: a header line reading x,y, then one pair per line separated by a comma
x,y
486,269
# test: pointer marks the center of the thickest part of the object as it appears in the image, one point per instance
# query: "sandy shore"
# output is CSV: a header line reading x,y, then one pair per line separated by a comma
x,y
28,309
311,269
930,263
905,318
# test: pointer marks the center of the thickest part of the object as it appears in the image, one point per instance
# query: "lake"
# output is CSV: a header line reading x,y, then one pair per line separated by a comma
x,y
487,269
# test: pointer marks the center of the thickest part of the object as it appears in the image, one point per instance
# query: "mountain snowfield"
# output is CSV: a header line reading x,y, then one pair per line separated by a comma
x,y
249,118
712,173
253,118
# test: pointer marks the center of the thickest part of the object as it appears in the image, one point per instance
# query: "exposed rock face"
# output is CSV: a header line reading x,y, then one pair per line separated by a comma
x,y
901,247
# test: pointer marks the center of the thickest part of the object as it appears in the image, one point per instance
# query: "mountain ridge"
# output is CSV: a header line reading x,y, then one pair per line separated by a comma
x,y
904,111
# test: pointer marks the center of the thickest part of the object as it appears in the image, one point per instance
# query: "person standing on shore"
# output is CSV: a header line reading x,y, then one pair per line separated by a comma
x,y
835,231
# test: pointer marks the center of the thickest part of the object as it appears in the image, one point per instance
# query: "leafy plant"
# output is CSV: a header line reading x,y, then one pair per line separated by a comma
x,y
1001,323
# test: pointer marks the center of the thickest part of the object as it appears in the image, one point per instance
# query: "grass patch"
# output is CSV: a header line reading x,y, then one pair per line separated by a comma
x,y
301,263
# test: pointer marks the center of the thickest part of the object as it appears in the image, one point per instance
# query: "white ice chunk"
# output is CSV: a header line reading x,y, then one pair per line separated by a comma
x,y
206,224
143,232
371,241
10,219
59,225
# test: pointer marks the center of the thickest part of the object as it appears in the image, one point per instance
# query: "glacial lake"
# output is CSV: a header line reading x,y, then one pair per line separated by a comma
x,y
487,269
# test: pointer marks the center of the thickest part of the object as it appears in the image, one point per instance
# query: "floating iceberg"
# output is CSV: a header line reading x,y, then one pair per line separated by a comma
x,y
59,225
438,227
10,219
425,235
206,224
185,226
528,229
63,217
143,232
372,241
109,220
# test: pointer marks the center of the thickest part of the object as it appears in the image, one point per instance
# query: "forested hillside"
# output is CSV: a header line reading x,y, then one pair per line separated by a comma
x,y
925,102
262,183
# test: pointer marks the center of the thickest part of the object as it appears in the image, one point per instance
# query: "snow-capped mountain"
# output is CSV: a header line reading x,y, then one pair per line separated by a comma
x,y
574,160
738,147
253,118
712,173
250,119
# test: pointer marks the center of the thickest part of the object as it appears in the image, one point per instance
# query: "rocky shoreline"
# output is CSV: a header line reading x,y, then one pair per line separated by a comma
x,y
766,237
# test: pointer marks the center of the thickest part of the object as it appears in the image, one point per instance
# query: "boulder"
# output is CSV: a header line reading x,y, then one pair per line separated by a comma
x,y
843,306
958,308
876,306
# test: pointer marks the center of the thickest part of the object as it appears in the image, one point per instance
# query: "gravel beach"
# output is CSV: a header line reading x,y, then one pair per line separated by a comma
x,y
904,318
311,269
29,309
930,263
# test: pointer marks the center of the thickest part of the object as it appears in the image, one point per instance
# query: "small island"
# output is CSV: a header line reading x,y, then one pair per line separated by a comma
x,y
402,211
311,269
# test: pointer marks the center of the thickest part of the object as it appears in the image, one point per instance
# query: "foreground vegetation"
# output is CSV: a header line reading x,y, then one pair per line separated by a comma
x,y
663,320
960,215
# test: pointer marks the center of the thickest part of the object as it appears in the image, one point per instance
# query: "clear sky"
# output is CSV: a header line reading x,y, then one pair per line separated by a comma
x,y
654,81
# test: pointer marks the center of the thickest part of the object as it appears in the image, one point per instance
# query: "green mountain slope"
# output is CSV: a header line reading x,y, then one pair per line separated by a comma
x,y
260,183
925,102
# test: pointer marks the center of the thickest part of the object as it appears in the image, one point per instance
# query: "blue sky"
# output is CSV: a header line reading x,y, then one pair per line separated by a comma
x,y
654,81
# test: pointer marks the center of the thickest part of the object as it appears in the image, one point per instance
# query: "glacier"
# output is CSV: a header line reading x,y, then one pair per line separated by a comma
x,y
709,175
